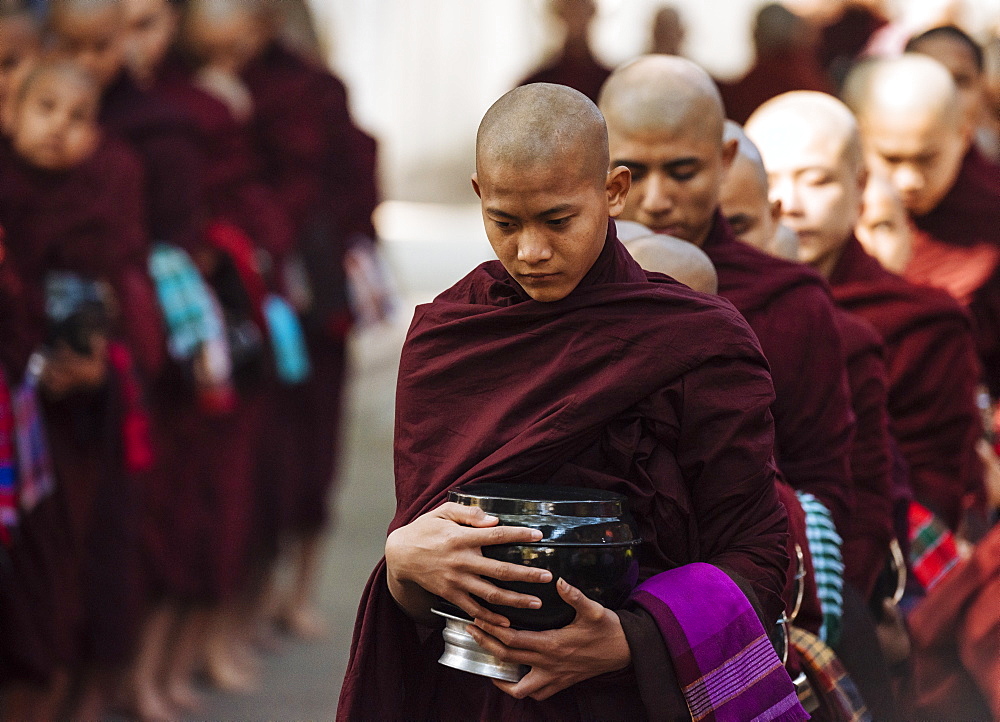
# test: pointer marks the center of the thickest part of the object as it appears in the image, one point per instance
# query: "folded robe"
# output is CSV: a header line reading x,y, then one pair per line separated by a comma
x,y
632,383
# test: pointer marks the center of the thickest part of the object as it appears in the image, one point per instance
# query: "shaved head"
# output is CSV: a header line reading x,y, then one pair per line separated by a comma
x,y
228,34
665,120
883,228
547,194
661,93
543,123
91,33
676,258
744,200
811,149
914,127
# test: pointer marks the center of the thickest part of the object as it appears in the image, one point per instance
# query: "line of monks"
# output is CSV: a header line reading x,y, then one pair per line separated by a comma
x,y
184,202
832,375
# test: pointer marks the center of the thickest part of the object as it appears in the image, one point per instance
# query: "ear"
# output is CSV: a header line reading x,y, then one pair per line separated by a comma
x,y
475,184
776,210
618,184
729,149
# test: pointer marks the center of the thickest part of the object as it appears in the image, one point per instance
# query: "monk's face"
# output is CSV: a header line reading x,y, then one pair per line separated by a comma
x,y
150,27
228,44
883,228
920,153
676,178
93,39
956,56
745,204
547,223
18,50
819,189
55,124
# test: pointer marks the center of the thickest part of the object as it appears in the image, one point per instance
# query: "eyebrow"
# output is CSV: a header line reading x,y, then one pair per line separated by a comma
x,y
561,208
669,164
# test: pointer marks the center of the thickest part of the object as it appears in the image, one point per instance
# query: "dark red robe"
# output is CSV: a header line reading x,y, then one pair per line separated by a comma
x,y
633,383
967,218
866,541
580,72
933,372
770,76
789,308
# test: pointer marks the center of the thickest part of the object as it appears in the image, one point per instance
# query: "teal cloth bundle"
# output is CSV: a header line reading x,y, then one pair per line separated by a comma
x,y
824,545
287,341
192,318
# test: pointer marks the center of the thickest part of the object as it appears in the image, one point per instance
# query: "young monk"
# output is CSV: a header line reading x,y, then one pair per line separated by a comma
x,y
884,226
547,194
71,202
916,133
20,44
665,123
675,258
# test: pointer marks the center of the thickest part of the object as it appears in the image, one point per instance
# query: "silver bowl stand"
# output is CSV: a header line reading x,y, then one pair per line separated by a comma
x,y
462,651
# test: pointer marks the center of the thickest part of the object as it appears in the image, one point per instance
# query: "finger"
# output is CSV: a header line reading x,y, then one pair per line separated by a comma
x,y
507,571
492,594
533,683
586,608
507,535
477,611
466,515
501,651
516,639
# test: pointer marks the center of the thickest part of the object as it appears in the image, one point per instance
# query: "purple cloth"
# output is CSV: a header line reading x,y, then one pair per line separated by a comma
x,y
724,661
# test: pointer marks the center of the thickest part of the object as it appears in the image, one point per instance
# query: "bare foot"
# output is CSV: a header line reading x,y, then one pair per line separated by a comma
x,y
183,696
304,622
147,705
227,674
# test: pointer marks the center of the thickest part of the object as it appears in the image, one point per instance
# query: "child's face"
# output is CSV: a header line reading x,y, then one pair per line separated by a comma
x,y
227,44
150,29
19,47
93,40
55,124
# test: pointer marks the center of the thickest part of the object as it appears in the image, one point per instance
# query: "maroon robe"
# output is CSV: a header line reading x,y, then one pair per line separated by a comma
x,y
969,216
321,168
771,76
580,72
866,541
933,371
788,306
633,383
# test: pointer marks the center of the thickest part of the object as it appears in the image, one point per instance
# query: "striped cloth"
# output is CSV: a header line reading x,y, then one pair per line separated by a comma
x,y
191,318
8,491
725,663
826,673
933,552
36,479
824,546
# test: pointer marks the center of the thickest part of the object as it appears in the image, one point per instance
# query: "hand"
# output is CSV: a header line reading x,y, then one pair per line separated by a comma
x,y
66,371
440,553
592,644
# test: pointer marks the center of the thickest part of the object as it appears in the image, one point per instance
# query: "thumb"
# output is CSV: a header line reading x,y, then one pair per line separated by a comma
x,y
467,515
574,597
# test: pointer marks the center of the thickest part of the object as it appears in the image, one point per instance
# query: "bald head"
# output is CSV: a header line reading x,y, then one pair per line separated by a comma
x,y
91,33
811,149
544,124
228,34
914,127
744,200
883,228
677,259
661,93
665,117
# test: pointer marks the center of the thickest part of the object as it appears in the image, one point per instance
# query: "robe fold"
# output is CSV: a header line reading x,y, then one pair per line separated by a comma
x,y
788,306
963,248
632,383
867,538
932,371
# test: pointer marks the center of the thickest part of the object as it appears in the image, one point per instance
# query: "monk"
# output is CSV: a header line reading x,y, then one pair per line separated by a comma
x,y
665,123
547,194
675,258
20,44
575,66
866,543
71,202
916,132
884,226
784,61
931,363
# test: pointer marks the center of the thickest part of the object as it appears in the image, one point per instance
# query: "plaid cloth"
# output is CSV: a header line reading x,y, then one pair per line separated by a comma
x,y
8,491
190,316
824,546
287,341
36,479
724,661
826,672
933,552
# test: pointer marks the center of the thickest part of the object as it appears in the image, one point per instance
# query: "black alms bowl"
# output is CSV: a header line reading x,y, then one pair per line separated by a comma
x,y
588,539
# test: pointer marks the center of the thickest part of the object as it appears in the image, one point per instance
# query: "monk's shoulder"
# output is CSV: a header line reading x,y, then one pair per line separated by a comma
x,y
858,337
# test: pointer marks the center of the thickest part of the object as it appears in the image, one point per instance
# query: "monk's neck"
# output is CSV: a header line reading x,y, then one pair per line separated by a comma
x,y
826,265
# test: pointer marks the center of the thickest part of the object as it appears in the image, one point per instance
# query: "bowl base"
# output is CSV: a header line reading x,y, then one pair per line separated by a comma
x,y
461,651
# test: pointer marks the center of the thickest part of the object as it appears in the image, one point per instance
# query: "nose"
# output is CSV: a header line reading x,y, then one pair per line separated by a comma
x,y
533,248
657,199
785,190
907,179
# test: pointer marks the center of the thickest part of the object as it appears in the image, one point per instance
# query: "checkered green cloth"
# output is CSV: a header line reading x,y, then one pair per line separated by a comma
x,y
191,317
824,546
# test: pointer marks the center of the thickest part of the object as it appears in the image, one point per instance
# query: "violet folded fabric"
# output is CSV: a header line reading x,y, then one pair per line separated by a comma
x,y
724,661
